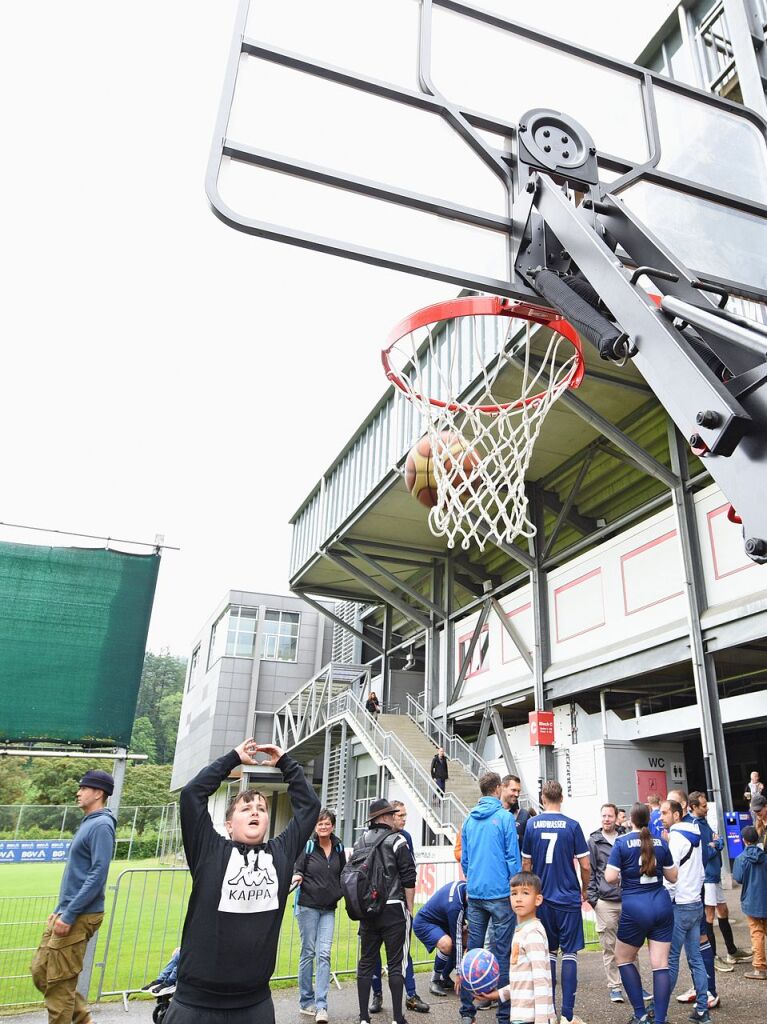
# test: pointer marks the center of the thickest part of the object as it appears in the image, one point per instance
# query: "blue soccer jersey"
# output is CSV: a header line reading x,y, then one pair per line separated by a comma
x,y
656,825
551,842
626,855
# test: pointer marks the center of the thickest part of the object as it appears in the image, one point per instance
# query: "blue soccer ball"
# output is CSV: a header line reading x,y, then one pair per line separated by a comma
x,y
480,971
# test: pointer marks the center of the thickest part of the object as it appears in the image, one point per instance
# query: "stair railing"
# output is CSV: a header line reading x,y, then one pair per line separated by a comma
x,y
445,809
455,748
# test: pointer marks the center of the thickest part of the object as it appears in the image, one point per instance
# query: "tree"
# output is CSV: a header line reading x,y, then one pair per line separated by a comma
x,y
147,785
55,780
162,674
159,701
166,729
13,782
143,739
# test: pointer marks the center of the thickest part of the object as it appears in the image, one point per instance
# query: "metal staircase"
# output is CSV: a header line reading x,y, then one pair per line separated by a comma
x,y
394,741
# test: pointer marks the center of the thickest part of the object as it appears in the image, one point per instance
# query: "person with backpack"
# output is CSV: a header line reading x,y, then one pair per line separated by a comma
x,y
378,884
317,873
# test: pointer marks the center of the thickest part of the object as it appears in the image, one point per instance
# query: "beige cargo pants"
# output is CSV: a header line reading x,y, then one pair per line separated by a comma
x,y
56,967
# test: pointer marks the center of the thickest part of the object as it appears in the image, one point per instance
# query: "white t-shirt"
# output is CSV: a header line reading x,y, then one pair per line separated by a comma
x,y
684,842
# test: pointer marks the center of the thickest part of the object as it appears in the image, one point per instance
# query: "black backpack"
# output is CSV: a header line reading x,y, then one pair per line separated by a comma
x,y
364,880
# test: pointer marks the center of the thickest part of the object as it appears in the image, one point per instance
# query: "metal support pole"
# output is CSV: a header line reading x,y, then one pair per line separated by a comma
x,y
747,39
603,713
704,670
541,641
484,731
326,766
118,772
431,674
448,639
503,741
386,659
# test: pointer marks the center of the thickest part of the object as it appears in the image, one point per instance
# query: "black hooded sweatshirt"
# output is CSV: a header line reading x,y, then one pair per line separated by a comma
x,y
232,926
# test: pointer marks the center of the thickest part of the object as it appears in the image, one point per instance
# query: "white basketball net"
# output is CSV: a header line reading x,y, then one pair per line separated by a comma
x,y
483,493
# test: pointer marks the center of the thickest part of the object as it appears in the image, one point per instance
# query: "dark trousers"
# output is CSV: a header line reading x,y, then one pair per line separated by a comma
x,y
180,1013
392,929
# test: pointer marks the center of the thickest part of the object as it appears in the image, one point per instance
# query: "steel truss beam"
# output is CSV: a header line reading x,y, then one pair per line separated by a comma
x,y
336,620
569,502
380,591
513,633
475,636
390,576
503,741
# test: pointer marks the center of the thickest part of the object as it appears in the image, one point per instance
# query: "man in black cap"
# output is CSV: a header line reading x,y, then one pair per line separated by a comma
x,y
80,909
392,925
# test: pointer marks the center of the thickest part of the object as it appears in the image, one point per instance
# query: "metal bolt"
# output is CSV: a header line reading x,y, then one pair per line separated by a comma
x,y
531,185
756,547
523,128
546,133
565,154
547,149
707,418
698,445
592,150
565,139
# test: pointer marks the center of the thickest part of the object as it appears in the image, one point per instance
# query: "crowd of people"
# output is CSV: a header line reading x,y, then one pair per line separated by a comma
x,y
656,880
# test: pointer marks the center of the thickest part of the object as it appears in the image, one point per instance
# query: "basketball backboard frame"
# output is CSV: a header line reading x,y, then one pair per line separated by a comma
x,y
700,198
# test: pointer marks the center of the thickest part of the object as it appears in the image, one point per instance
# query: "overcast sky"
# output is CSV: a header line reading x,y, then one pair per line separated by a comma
x,y
163,373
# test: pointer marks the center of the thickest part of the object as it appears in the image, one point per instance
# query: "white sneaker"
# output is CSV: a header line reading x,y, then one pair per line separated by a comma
x,y
308,1011
321,1017
713,1000
687,997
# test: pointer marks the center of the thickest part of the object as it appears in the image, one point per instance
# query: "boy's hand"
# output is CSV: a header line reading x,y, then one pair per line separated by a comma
x,y
457,984
274,753
246,750
494,995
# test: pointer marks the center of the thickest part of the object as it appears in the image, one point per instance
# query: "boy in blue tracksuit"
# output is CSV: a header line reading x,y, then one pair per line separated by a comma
x,y
490,859
750,869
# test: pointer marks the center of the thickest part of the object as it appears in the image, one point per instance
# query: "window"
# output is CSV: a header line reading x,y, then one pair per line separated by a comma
x,y
193,663
279,635
217,638
241,636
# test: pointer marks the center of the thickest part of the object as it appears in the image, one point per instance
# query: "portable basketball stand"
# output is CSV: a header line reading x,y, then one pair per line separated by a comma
x,y
575,235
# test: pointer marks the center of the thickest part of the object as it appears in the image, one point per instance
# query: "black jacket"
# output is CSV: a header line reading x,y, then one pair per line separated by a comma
x,y
229,942
321,881
599,853
521,819
398,862
439,767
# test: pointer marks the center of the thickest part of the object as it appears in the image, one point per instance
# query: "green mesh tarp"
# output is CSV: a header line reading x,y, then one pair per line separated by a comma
x,y
73,628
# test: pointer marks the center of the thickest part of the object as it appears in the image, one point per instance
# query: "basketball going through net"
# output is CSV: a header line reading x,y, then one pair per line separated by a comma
x,y
470,465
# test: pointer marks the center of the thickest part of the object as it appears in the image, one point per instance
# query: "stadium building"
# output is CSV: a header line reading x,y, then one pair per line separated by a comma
x,y
635,621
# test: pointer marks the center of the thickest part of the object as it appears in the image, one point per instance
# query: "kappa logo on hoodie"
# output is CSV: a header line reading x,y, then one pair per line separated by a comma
x,y
250,883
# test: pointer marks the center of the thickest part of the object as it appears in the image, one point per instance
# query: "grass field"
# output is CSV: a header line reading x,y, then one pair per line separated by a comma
x,y
147,913
145,906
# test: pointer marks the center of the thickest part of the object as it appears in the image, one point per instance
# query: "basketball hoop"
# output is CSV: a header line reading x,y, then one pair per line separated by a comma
x,y
481,441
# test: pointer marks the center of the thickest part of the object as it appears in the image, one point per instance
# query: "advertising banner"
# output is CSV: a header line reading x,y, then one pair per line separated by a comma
x,y
27,851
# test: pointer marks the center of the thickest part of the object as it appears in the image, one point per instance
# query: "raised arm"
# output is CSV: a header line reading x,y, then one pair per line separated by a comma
x,y
197,829
303,800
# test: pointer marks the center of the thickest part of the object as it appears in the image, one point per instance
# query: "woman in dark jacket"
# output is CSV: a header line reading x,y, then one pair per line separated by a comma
x,y
373,705
318,873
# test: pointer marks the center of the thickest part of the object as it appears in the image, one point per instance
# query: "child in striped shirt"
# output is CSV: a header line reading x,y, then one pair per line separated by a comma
x,y
529,990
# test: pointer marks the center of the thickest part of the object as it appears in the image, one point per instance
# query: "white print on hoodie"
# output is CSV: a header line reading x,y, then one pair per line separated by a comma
x,y
250,883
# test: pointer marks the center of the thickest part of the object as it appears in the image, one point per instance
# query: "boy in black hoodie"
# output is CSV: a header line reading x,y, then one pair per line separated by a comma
x,y
239,890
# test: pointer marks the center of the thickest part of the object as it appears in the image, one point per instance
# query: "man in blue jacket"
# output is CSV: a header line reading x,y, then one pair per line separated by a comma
x,y
80,909
489,859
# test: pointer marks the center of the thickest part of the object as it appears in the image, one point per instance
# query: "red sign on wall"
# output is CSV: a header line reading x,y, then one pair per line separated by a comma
x,y
541,728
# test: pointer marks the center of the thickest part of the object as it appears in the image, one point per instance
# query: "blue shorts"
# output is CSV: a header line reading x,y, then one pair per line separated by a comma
x,y
646,916
564,927
427,931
